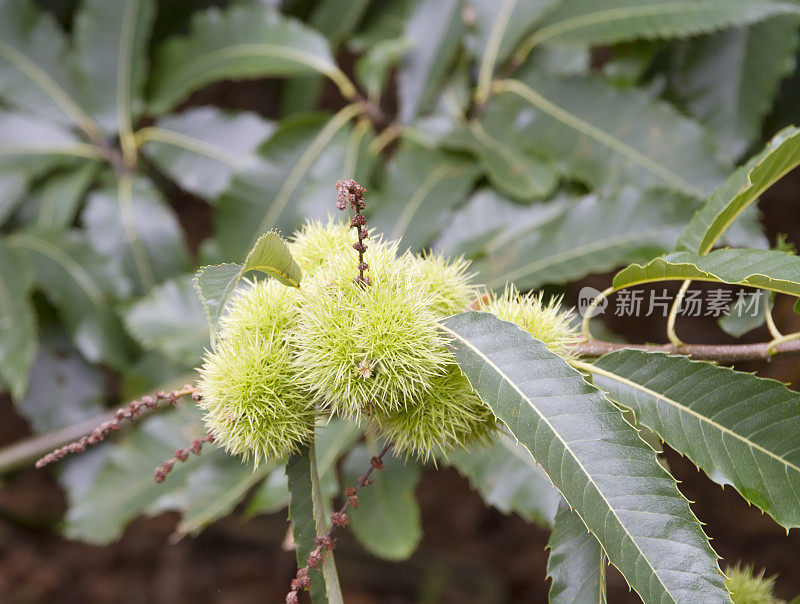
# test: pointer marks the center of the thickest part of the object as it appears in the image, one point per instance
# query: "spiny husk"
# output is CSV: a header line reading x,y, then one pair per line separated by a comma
x,y
450,416
253,400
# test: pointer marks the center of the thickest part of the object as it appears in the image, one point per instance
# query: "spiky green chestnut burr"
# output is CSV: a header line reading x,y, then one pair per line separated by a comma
x,y
446,280
544,321
450,416
748,587
254,403
368,349
316,242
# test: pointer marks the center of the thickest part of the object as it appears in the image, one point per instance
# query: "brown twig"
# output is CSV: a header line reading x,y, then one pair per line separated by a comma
x,y
196,447
132,411
326,542
350,192
721,353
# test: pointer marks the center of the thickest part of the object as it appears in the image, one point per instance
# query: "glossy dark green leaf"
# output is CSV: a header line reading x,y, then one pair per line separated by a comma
x,y
17,320
767,269
387,521
420,189
729,80
134,227
82,286
589,235
576,563
248,41
434,28
742,189
201,148
741,430
508,478
111,52
306,512
294,179
607,136
170,319
598,462
215,284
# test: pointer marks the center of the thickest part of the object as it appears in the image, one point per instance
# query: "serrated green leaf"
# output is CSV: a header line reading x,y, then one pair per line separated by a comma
x,y
607,136
739,429
214,285
64,389
134,227
270,255
604,232
111,52
508,478
294,179
306,512
766,269
83,287
599,22
729,80
17,320
35,73
170,319
239,42
420,189
576,563
609,476
387,521
510,167
434,28
202,147
214,488
743,188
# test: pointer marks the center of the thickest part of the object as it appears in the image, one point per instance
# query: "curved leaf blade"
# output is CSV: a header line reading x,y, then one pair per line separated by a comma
x,y
111,52
608,136
216,283
34,73
509,479
605,231
594,457
740,190
729,80
240,42
767,269
17,320
202,148
610,21
576,564
306,512
739,429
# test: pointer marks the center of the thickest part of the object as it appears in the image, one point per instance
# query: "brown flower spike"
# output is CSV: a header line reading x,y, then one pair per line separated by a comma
x,y
350,192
